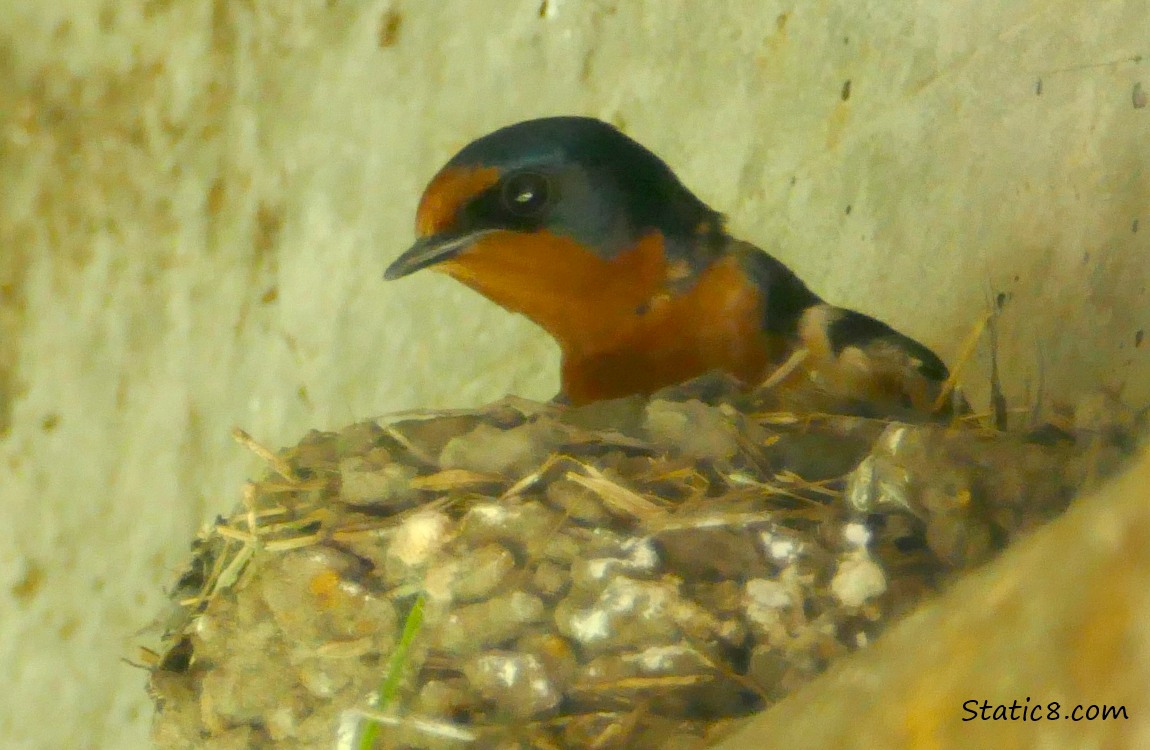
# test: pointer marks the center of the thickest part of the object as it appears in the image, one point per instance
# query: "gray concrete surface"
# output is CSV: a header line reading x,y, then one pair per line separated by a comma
x,y
197,200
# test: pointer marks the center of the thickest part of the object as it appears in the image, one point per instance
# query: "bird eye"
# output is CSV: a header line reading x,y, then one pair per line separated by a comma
x,y
526,194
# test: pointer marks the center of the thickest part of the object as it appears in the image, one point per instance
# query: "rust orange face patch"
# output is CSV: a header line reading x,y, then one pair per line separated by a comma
x,y
447,193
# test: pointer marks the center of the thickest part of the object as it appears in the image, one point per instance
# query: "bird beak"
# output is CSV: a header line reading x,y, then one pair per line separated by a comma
x,y
431,250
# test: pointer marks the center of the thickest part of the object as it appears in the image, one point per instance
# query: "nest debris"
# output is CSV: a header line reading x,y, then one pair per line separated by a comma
x,y
637,573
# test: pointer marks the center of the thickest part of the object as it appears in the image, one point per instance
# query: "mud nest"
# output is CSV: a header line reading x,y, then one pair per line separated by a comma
x,y
632,574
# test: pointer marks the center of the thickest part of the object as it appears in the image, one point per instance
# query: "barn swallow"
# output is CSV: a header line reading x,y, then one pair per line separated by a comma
x,y
581,229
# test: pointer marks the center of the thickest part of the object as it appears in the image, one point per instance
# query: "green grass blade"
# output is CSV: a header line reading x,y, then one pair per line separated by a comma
x,y
396,666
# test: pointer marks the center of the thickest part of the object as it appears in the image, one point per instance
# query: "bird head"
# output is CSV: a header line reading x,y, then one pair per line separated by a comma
x,y
552,216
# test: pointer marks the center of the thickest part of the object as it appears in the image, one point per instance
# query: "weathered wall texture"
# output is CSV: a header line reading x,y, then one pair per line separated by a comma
x,y
197,200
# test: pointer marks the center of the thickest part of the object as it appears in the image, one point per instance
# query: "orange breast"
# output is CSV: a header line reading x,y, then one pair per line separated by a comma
x,y
620,326
715,325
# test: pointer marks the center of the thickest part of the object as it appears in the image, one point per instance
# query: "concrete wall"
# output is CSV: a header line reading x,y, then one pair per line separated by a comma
x,y
197,201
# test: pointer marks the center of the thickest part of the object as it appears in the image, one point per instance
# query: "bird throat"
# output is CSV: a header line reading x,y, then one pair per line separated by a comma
x,y
630,324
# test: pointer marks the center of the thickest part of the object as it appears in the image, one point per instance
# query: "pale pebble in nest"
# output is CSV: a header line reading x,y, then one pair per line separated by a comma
x,y
419,538
857,580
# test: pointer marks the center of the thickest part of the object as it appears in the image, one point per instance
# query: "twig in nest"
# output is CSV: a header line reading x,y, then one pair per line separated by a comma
x,y
279,466
966,353
785,369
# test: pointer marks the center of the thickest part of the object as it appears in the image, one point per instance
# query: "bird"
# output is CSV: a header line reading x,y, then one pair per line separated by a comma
x,y
570,222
